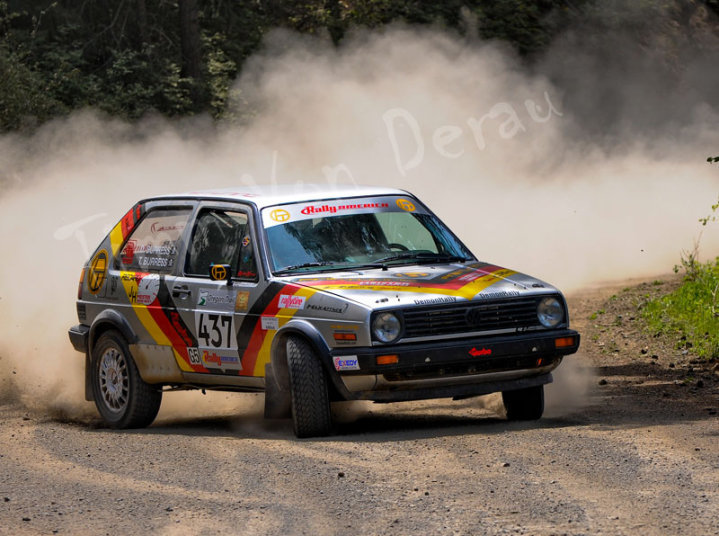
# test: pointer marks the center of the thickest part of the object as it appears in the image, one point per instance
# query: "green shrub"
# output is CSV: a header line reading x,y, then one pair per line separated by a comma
x,y
691,313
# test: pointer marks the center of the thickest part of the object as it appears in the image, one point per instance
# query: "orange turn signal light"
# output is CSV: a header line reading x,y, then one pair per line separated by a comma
x,y
342,336
387,359
79,285
564,342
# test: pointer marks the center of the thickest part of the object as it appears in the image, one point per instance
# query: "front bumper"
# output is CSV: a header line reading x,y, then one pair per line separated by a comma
x,y
464,367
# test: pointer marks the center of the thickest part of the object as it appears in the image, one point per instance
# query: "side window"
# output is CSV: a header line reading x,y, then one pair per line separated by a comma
x,y
155,242
222,237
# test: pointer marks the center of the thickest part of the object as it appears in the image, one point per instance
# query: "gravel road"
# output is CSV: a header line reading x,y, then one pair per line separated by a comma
x,y
624,448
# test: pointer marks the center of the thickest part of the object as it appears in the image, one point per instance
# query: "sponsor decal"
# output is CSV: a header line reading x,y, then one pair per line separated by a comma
x,y
246,241
194,355
381,283
242,300
97,272
331,209
280,215
158,227
328,308
208,298
347,362
288,301
406,204
478,353
128,252
433,301
270,322
166,250
412,275
453,274
209,358
468,278
218,272
494,295
147,289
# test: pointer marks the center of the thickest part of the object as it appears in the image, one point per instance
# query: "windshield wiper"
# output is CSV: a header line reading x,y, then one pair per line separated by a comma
x,y
304,265
421,256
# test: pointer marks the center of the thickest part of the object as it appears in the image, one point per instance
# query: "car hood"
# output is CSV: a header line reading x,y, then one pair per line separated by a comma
x,y
426,284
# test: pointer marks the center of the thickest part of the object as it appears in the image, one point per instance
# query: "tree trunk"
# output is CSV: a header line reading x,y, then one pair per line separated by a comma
x,y
142,22
190,40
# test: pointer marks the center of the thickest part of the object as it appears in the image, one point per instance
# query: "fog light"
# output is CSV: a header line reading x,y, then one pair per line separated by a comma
x,y
387,359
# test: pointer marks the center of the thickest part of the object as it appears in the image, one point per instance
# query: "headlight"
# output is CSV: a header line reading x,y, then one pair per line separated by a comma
x,y
386,327
550,312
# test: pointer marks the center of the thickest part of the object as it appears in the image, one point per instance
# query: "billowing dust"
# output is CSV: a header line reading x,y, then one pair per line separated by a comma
x,y
511,161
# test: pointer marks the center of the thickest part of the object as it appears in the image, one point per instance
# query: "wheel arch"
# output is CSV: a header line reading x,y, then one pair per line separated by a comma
x,y
107,320
104,322
278,354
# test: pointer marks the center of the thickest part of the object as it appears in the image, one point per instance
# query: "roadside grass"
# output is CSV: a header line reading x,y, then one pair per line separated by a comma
x,y
691,312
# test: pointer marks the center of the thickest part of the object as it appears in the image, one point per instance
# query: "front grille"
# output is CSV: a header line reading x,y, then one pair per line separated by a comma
x,y
519,313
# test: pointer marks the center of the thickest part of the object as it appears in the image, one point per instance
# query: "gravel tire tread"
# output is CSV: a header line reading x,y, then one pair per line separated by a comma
x,y
311,415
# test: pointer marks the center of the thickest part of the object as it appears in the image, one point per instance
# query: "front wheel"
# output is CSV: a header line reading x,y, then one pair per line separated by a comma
x,y
311,415
123,399
524,404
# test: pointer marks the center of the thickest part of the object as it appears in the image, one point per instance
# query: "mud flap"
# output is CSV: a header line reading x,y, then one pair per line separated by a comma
x,y
278,401
88,379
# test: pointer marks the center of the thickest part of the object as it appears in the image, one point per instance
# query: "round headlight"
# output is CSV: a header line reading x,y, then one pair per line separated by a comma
x,y
386,327
550,312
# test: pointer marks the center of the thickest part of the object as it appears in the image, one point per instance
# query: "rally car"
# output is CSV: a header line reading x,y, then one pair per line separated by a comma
x,y
311,295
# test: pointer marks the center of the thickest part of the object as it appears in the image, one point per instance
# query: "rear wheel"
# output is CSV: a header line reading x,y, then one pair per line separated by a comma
x,y
123,399
524,404
311,415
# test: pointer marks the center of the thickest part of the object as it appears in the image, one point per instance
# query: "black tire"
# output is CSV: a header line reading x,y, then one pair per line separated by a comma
x,y
123,399
524,404
311,415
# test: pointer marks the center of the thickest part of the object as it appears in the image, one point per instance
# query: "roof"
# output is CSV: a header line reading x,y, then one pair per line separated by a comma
x,y
278,194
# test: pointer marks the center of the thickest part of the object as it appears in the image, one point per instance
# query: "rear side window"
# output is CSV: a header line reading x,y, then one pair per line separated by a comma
x,y
155,242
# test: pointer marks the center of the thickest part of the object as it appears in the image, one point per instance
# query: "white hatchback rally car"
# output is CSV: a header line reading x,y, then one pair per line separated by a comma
x,y
312,295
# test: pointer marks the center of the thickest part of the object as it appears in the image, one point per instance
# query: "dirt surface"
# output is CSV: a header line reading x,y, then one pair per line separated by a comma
x,y
629,445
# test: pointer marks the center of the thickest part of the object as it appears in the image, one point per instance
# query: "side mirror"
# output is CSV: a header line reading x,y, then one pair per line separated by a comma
x,y
221,272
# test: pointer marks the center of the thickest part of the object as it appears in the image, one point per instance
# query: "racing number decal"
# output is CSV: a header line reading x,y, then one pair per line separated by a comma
x,y
216,330
98,269
194,355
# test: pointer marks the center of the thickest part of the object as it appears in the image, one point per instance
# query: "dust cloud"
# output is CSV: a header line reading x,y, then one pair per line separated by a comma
x,y
522,163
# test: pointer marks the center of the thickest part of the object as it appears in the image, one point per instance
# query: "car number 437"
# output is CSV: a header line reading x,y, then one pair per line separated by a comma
x,y
216,330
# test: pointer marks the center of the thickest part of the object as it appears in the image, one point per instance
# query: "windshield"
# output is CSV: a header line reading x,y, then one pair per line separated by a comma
x,y
354,233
